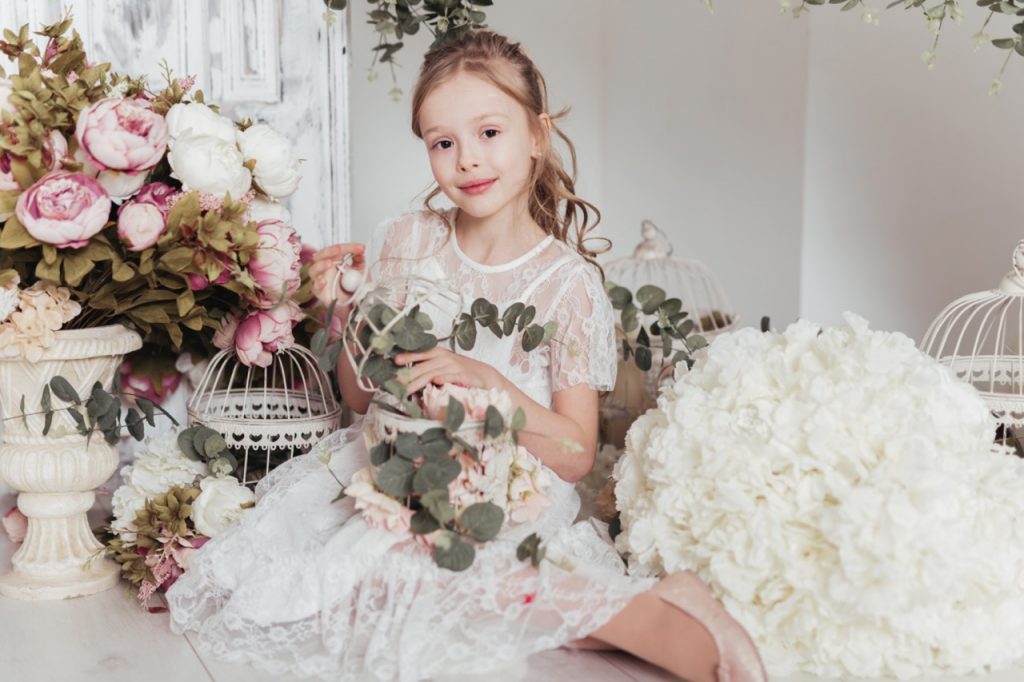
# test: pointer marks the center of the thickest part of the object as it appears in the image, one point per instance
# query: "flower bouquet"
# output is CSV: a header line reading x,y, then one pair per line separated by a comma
x,y
445,464
172,501
125,209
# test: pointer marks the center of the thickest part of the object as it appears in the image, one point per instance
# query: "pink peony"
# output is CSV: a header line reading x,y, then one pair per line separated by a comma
x,y
139,225
306,253
142,386
265,332
15,525
122,135
276,263
64,209
157,194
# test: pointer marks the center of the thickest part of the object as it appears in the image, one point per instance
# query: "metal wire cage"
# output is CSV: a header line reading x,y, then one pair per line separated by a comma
x,y
979,337
689,280
266,415
652,263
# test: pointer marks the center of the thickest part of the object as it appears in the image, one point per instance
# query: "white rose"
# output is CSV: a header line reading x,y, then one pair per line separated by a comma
x,y
261,209
277,169
219,503
8,302
194,118
209,164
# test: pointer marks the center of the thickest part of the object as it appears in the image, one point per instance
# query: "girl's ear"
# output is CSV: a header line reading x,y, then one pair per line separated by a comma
x,y
542,139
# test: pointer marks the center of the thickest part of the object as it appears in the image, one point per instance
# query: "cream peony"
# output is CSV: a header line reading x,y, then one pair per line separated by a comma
x,y
219,504
261,209
159,466
277,169
839,491
190,119
209,164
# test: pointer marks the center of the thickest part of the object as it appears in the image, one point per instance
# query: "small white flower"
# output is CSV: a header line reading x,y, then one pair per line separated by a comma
x,y
870,16
995,87
980,38
784,6
928,57
934,25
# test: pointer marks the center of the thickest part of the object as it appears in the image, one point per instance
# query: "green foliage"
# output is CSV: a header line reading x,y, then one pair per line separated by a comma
x,y
393,20
101,411
650,313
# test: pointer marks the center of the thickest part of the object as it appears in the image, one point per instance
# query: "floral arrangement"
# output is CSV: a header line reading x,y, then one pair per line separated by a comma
x,y
394,19
445,464
840,492
142,207
456,484
172,501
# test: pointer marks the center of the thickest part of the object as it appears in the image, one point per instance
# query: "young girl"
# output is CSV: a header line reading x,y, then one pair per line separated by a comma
x,y
306,586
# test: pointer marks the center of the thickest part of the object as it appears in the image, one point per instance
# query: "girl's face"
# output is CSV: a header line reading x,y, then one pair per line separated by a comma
x,y
480,144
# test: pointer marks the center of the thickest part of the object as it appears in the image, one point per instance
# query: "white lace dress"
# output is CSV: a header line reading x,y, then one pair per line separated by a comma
x,y
302,585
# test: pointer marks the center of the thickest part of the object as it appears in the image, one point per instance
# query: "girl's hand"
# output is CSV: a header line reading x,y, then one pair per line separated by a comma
x,y
323,270
439,366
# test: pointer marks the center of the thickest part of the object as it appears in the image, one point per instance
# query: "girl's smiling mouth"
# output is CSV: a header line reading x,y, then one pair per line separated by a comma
x,y
477,186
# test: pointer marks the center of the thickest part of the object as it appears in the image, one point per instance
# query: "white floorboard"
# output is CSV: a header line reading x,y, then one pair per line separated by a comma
x,y
107,637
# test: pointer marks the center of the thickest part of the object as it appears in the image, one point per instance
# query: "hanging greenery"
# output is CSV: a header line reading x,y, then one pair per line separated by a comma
x,y
393,20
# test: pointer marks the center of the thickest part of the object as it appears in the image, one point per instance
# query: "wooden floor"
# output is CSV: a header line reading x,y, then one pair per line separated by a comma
x,y
107,637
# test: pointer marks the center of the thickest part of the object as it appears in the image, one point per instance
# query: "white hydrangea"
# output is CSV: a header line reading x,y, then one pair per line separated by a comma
x,y
159,466
840,492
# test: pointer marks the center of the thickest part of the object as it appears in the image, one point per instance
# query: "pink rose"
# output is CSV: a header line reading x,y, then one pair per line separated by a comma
x,y
15,525
275,264
379,510
475,400
64,209
265,332
139,225
142,386
122,135
183,550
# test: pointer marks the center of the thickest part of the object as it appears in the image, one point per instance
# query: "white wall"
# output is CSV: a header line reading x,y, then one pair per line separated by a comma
x,y
913,177
692,120
704,119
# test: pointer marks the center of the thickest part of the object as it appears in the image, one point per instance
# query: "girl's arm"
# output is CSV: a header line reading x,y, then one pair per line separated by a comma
x,y
354,396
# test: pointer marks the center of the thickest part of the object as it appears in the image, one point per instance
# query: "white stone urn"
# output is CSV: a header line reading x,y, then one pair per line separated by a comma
x,y
56,474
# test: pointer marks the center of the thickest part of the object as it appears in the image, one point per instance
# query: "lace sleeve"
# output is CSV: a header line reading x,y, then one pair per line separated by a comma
x,y
583,350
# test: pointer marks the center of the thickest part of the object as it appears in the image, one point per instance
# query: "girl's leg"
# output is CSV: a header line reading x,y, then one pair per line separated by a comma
x,y
661,634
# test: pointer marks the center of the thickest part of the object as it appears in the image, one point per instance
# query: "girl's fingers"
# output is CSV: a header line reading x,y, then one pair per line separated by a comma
x,y
412,358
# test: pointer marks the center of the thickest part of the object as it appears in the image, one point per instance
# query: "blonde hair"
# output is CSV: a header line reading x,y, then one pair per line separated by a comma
x,y
552,202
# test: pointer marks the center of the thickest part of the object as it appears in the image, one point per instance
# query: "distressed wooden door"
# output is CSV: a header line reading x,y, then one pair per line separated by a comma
x,y
269,60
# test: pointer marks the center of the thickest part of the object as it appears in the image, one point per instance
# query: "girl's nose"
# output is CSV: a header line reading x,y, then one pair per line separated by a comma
x,y
468,159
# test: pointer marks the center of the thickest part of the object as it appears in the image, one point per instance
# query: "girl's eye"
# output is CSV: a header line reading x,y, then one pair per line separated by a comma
x,y
491,132
443,144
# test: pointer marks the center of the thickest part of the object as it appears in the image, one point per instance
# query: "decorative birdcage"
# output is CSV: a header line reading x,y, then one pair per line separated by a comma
x,y
384,313
267,415
653,263
980,338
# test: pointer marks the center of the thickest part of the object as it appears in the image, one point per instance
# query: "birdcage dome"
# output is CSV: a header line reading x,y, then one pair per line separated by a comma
x,y
689,280
980,337
266,415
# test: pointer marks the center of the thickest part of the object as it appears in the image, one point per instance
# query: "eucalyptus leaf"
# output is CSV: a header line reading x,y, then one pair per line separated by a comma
x,y
649,297
436,474
533,337
482,520
422,523
63,389
185,444
455,555
455,416
494,423
438,504
380,453
395,476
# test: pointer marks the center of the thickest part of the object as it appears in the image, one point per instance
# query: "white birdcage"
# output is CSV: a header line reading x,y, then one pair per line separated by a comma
x,y
266,415
980,337
652,263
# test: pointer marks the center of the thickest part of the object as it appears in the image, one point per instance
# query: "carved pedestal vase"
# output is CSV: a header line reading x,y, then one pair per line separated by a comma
x,y
56,474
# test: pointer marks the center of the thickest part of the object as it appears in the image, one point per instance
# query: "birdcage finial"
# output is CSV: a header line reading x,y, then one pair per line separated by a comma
x,y
649,247
1013,282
